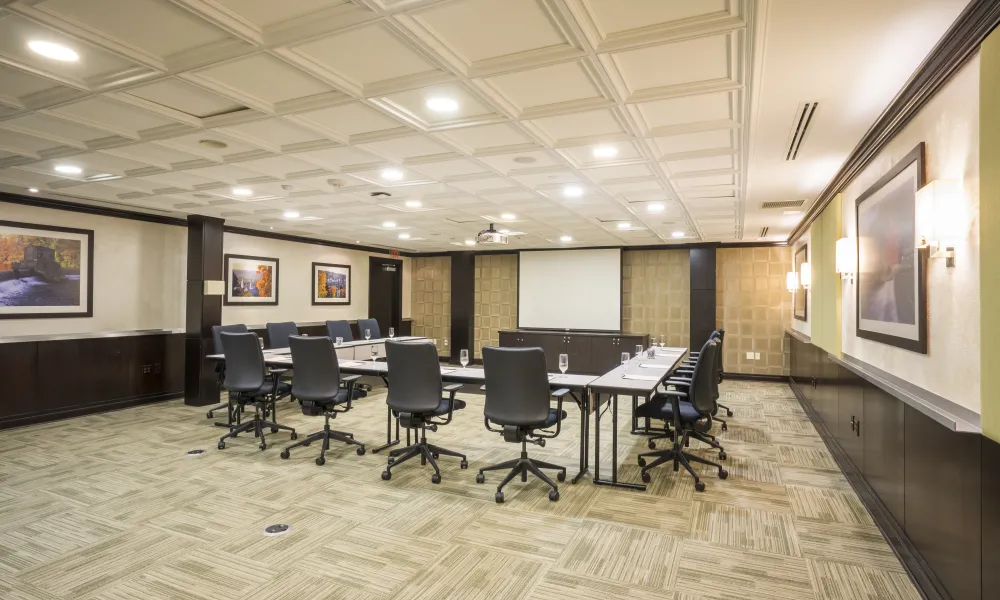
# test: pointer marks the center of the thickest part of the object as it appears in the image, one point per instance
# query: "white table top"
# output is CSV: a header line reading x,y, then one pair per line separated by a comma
x,y
643,374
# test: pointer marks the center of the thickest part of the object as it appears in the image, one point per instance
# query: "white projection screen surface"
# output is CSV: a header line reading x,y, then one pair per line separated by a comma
x,y
570,289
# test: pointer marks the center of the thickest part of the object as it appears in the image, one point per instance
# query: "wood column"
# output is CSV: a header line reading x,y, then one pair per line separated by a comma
x,y
463,292
204,260
702,295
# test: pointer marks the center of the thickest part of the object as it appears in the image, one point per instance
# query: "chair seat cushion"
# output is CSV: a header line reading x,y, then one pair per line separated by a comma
x,y
284,388
664,410
442,408
552,419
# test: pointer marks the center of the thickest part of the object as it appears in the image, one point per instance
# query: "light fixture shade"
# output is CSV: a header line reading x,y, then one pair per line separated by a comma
x,y
792,281
941,213
805,275
847,256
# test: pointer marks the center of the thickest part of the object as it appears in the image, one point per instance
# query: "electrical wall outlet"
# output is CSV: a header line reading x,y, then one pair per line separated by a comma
x,y
750,356
756,355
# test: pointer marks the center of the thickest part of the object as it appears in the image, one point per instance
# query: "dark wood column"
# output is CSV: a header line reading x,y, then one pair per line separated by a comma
x,y
204,264
463,293
702,295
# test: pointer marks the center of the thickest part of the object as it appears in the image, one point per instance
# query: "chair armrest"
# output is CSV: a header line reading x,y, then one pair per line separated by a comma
x,y
277,371
674,394
454,387
350,378
482,388
560,393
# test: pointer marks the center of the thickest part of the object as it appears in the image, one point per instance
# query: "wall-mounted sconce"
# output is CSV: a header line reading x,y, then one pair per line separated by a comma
x,y
941,220
805,275
792,281
847,258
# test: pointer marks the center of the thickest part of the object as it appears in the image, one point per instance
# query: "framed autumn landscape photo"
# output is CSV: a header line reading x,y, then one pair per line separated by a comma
x,y
251,280
331,284
45,271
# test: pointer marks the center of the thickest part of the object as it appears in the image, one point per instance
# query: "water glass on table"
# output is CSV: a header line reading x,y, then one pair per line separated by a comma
x,y
463,357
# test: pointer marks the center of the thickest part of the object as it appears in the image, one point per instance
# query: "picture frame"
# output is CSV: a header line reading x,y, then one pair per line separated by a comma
x,y
46,272
251,280
891,289
331,284
800,307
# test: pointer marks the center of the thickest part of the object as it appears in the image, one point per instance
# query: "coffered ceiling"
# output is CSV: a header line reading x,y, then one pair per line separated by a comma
x,y
610,122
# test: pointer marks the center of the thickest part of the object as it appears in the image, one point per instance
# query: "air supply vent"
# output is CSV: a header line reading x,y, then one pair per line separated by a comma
x,y
763,232
784,204
800,125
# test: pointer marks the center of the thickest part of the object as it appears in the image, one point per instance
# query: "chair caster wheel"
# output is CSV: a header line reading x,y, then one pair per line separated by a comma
x,y
361,450
274,430
435,455
646,477
285,454
386,475
722,456
499,497
651,445
320,461
295,436
699,486
435,478
729,412
723,474
561,476
480,478
222,445
391,460
463,465
554,495
263,445
725,427
209,416
642,462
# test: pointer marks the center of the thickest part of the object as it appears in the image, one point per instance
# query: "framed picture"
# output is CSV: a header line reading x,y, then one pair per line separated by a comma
x,y
45,271
331,284
801,307
891,292
251,280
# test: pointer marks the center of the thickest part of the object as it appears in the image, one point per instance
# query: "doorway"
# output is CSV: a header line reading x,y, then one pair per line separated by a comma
x,y
385,293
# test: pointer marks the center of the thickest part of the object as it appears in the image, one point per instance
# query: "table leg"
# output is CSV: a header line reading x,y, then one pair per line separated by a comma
x,y
584,434
614,454
597,437
389,442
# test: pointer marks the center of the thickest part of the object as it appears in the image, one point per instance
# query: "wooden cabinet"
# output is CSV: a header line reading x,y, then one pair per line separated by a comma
x,y
589,353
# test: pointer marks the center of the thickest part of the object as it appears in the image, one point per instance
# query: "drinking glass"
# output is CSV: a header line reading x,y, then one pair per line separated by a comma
x,y
638,350
392,333
463,357
374,353
340,341
661,340
368,334
261,340
625,358
564,363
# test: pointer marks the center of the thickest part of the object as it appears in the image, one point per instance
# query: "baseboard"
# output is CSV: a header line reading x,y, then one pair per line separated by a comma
x,y
920,573
756,377
89,409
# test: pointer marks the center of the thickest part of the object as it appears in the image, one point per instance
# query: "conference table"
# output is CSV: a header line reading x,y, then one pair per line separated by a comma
x,y
640,378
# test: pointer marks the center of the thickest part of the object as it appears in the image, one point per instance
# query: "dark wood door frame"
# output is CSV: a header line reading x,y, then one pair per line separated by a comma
x,y
374,264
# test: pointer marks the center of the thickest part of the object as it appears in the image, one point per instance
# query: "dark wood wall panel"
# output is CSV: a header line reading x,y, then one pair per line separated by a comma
x,y
702,261
18,373
850,404
991,517
884,448
463,297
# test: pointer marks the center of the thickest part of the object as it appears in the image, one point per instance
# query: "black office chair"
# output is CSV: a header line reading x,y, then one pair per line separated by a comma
x,y
416,398
318,388
371,325
278,334
248,377
220,368
517,399
720,335
689,411
339,329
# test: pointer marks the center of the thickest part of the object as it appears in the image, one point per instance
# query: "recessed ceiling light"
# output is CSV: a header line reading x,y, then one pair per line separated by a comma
x,y
214,144
242,191
572,191
404,236
470,242
605,152
508,216
392,174
54,51
654,208
388,224
566,238
624,225
792,212
677,234
414,203
68,169
33,190
442,105
292,214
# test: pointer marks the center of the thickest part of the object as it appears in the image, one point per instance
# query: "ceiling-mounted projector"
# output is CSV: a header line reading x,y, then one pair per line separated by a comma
x,y
491,236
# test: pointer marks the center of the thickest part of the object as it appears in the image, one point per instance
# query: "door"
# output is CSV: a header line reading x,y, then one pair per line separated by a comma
x,y
385,292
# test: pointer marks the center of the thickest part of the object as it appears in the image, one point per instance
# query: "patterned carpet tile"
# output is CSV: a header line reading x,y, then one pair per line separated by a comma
x,y
531,536
642,510
816,458
836,581
826,505
856,544
474,574
717,572
745,528
624,554
557,585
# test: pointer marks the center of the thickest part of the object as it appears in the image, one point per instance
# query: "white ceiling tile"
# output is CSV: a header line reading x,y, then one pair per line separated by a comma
x,y
16,32
577,125
271,133
533,88
412,105
482,138
607,174
507,163
348,119
337,158
186,98
52,128
192,144
450,169
697,60
408,147
112,116
693,142
701,164
270,12
686,110
24,144
152,154
18,84
610,19
263,77
278,166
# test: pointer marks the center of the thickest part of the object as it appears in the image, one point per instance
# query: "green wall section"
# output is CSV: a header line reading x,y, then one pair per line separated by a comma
x,y
989,228
826,284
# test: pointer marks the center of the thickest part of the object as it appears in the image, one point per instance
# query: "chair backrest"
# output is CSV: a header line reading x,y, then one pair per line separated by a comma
x,y
414,376
317,372
722,339
245,368
704,384
371,324
218,330
342,329
517,386
278,333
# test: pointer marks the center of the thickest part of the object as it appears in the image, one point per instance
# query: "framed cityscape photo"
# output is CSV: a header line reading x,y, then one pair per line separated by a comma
x,y
331,284
45,271
251,280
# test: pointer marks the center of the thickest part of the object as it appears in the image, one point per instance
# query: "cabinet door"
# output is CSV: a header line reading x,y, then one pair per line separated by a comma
x,y
578,348
605,353
629,342
850,402
509,339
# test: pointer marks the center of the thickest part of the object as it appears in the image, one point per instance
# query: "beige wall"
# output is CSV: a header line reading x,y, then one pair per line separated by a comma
x,y
295,281
139,274
656,294
495,298
431,300
949,126
754,308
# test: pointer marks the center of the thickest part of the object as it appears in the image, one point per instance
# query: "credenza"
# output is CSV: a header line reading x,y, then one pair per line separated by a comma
x,y
591,353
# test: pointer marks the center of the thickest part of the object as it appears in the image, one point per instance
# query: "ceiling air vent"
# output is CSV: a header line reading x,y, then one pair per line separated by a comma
x,y
763,232
784,204
803,117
